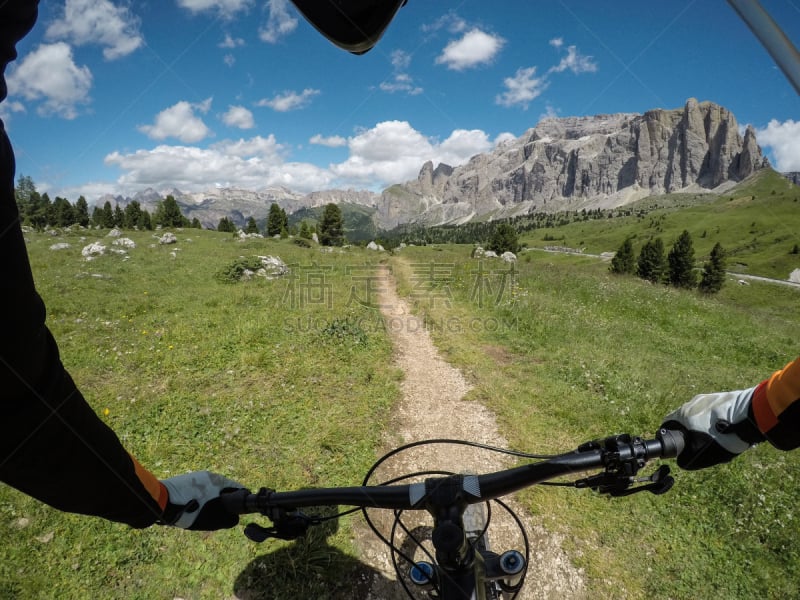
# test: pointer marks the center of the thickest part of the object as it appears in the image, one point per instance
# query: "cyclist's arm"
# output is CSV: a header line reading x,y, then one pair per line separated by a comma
x,y
52,444
776,407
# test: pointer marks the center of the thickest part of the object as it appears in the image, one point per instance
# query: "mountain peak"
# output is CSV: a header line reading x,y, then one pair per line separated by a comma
x,y
570,163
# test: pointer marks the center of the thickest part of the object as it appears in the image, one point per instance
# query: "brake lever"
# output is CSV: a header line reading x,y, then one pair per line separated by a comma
x,y
617,485
290,526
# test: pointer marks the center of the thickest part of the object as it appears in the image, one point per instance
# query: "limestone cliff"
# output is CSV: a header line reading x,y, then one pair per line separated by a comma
x,y
583,162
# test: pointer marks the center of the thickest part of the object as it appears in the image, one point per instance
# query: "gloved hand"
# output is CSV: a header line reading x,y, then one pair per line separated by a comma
x,y
719,427
194,501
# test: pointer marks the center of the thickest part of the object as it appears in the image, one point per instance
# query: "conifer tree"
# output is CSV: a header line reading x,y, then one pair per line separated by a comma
x,y
681,271
623,262
252,226
225,224
714,271
331,227
276,220
82,212
504,239
651,262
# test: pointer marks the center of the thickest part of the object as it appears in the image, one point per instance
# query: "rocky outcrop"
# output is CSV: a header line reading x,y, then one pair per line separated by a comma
x,y
583,162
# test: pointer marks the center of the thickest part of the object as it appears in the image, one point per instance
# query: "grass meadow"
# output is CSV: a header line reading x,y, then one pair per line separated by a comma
x,y
279,383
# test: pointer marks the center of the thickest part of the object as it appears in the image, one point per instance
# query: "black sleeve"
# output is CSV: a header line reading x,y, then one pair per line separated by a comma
x,y
52,444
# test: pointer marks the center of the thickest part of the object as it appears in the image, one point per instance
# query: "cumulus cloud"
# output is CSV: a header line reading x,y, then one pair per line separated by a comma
x,y
783,140
280,23
575,62
333,141
289,100
473,49
401,81
503,138
238,116
181,122
388,153
231,42
98,22
522,88
250,164
50,75
557,42
224,8
393,152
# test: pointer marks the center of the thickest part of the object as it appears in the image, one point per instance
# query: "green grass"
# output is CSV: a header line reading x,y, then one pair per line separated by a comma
x,y
574,353
276,383
255,380
757,223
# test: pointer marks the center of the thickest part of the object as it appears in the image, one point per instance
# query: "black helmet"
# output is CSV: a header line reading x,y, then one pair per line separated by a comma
x,y
354,25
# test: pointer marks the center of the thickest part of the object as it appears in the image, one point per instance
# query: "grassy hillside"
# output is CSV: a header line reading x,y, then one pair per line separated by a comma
x,y
263,381
569,353
757,222
279,383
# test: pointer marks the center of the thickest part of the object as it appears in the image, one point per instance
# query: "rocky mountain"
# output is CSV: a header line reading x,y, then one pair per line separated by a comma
x,y
583,162
569,163
240,204
793,176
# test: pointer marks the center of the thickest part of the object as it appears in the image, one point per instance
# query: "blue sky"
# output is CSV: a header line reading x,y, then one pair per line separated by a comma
x,y
116,96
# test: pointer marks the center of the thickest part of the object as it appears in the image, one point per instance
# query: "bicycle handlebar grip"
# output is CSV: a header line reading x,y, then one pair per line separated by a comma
x,y
237,502
672,442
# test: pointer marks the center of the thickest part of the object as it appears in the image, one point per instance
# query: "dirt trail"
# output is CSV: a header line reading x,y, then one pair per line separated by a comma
x,y
433,406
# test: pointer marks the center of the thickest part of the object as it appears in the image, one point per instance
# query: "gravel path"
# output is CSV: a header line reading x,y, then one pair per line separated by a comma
x,y
433,406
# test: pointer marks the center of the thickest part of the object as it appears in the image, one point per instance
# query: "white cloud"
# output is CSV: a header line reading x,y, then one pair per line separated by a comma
x,y
98,22
783,139
231,42
250,164
8,108
238,116
549,113
557,42
522,88
503,138
289,100
393,152
280,22
49,74
474,48
181,122
229,59
225,8
576,62
462,145
401,81
334,141
390,152
450,21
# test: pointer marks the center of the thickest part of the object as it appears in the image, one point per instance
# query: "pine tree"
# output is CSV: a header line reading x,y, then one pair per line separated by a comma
x,y
145,222
681,271
651,263
714,271
168,213
504,239
225,224
275,220
132,214
107,216
82,212
252,226
305,232
196,224
331,227
623,262
119,216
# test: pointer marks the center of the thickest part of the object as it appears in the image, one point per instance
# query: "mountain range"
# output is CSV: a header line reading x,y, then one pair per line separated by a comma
x,y
571,163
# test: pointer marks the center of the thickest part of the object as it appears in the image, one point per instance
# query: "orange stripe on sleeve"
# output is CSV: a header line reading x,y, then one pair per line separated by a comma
x,y
153,486
783,388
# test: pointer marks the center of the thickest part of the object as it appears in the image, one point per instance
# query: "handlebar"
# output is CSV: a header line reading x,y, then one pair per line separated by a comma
x,y
620,456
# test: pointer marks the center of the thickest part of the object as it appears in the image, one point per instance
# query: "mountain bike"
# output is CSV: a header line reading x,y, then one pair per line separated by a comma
x,y
461,565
